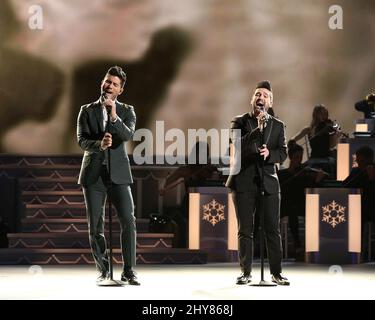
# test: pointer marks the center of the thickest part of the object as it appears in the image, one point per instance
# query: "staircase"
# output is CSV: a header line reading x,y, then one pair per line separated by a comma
x,y
54,227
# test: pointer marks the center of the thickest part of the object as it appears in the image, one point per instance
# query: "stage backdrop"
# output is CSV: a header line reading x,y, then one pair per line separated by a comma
x,y
191,63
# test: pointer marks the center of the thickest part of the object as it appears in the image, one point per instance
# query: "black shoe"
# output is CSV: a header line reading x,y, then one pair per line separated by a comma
x,y
104,275
280,280
244,278
130,277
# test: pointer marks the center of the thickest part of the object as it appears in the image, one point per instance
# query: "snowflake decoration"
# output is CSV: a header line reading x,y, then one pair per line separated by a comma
x,y
213,212
333,214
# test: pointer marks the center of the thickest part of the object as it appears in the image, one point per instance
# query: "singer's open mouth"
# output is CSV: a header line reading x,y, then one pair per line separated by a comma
x,y
260,104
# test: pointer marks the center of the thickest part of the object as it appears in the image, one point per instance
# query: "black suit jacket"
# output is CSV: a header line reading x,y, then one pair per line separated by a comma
x,y
90,132
248,177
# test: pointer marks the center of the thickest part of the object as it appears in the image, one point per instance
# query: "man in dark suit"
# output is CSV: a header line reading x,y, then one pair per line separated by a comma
x,y
245,185
105,126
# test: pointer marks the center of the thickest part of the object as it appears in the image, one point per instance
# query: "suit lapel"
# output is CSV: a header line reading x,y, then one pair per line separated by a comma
x,y
250,124
99,115
118,109
268,131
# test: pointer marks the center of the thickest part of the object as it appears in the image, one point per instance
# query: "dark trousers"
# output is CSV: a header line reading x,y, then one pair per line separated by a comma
x,y
246,204
95,199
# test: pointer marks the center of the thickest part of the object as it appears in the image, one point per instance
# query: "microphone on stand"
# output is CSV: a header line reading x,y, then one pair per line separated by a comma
x,y
262,123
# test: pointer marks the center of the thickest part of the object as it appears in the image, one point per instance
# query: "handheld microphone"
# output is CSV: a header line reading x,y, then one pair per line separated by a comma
x,y
103,98
263,119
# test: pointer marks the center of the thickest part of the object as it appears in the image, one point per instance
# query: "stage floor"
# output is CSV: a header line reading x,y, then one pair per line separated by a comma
x,y
188,282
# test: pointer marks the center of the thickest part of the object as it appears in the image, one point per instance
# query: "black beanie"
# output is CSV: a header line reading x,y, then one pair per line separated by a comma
x,y
264,84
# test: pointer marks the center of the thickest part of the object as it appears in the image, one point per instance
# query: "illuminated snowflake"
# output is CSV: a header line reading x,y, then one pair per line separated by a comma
x,y
333,214
213,212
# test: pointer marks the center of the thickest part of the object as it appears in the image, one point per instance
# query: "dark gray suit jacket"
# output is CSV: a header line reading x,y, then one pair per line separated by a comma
x,y
90,132
274,137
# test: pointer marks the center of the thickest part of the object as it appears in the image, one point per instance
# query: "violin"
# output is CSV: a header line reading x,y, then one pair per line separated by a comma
x,y
334,128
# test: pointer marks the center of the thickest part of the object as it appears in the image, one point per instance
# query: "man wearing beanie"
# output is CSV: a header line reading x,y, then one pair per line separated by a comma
x,y
245,186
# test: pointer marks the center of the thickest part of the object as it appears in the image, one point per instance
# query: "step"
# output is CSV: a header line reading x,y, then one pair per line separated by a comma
x,y
53,197
84,256
44,159
68,224
46,184
81,240
39,166
46,180
53,193
55,211
46,172
59,206
61,212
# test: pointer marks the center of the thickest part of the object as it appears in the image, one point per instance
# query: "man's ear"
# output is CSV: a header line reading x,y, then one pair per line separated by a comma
x,y
121,91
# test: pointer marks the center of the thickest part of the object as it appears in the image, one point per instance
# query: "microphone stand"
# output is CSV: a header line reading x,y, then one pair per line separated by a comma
x,y
262,282
110,282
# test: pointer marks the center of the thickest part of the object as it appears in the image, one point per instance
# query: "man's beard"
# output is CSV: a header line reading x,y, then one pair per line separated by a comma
x,y
260,108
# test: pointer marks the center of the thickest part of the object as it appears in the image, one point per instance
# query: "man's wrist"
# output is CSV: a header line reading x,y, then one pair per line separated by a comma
x,y
113,120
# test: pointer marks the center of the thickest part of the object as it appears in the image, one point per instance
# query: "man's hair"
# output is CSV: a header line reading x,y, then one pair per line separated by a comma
x,y
366,152
293,149
117,71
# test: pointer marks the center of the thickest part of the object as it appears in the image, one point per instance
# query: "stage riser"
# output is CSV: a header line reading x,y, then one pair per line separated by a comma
x,y
144,256
73,227
82,241
42,212
55,213
54,199
69,224
50,186
6,160
40,173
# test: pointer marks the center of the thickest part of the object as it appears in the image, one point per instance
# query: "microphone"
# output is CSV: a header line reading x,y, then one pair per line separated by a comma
x,y
263,119
103,98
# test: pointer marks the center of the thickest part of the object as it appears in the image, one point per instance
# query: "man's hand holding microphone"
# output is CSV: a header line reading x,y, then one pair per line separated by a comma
x,y
262,123
106,141
110,106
